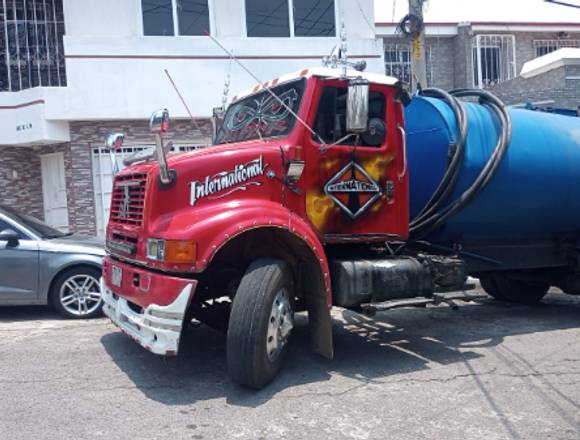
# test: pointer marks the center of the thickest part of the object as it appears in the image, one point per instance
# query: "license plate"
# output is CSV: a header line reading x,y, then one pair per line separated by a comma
x,y
117,276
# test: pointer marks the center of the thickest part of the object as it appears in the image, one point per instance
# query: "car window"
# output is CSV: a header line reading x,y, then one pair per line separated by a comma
x,y
4,225
32,223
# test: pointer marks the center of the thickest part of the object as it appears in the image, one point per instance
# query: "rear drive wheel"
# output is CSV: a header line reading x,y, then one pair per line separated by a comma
x,y
76,293
490,286
520,291
261,322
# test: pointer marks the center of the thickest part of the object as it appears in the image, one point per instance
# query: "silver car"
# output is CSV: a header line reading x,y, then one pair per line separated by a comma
x,y
41,265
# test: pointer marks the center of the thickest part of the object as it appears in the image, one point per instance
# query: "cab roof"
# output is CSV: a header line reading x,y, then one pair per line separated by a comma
x,y
323,72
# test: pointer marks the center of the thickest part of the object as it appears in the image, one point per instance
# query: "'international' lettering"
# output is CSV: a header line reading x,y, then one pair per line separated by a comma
x,y
236,178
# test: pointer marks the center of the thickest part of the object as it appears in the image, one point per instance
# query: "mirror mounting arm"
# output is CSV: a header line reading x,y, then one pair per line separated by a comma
x,y
159,124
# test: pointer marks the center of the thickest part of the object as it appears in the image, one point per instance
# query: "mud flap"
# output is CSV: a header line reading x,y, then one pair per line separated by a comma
x,y
320,323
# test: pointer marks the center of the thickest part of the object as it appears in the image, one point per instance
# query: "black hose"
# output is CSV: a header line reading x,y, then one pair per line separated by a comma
x,y
427,224
452,173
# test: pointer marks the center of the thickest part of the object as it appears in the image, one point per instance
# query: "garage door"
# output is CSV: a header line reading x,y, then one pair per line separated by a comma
x,y
103,176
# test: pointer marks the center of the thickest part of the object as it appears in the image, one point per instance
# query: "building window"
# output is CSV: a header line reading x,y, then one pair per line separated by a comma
x,y
544,47
494,59
289,18
175,17
31,46
398,62
314,18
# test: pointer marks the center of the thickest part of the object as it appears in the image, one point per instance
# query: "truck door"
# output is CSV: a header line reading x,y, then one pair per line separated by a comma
x,y
356,186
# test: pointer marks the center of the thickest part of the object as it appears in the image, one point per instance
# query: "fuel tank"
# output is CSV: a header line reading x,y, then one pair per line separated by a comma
x,y
535,192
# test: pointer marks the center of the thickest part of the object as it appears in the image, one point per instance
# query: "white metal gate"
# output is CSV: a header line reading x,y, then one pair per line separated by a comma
x,y
103,176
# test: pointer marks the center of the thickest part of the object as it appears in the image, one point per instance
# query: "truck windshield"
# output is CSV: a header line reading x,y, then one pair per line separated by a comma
x,y
261,115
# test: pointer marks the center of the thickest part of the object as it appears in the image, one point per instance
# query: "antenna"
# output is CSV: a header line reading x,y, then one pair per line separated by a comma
x,y
338,56
227,85
266,87
343,48
183,101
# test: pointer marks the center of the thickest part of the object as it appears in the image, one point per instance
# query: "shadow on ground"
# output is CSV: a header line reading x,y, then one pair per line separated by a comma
x,y
366,349
10,314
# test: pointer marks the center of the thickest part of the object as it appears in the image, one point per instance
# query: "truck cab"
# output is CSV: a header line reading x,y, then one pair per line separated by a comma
x,y
305,168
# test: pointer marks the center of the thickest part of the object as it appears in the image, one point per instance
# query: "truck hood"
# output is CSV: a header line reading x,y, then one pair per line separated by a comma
x,y
174,160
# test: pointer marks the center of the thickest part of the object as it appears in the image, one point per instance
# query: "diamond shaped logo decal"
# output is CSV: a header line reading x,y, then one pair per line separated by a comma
x,y
353,190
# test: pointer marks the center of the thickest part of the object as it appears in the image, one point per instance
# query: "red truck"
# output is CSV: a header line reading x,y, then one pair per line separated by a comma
x,y
302,203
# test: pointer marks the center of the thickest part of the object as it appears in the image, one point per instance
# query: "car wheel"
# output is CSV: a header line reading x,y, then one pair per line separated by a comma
x,y
261,322
76,293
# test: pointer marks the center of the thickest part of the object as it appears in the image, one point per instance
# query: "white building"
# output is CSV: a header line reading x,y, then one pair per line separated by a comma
x,y
72,71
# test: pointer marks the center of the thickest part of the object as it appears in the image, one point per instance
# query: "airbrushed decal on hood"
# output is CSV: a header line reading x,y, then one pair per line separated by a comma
x,y
238,179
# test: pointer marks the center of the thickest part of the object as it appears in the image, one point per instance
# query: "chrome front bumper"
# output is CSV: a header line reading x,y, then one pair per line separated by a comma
x,y
157,329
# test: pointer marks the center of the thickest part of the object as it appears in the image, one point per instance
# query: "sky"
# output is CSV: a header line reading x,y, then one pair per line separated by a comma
x,y
481,10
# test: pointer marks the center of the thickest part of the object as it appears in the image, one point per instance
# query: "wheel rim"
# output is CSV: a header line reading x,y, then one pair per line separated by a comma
x,y
280,325
80,295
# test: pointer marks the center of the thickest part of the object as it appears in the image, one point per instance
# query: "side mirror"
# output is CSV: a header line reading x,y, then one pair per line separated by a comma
x,y
159,124
357,107
114,143
10,236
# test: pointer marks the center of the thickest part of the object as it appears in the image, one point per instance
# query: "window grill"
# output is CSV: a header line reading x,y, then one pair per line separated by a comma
x,y
31,44
544,47
493,59
398,62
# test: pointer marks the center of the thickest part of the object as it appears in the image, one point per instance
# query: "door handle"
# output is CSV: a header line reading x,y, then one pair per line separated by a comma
x,y
403,172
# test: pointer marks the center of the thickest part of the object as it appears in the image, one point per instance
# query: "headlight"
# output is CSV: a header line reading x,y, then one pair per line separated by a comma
x,y
156,249
171,251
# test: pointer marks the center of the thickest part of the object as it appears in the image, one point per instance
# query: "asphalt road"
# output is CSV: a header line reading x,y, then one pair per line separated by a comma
x,y
487,371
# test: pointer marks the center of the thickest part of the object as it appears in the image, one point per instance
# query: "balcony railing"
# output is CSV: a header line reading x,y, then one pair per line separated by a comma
x,y
31,44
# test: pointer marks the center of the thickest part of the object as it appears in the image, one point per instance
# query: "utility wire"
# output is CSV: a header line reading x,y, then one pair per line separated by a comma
x,y
267,88
366,19
562,3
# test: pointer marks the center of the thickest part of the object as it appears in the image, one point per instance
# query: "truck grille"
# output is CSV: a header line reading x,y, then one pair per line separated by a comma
x,y
128,199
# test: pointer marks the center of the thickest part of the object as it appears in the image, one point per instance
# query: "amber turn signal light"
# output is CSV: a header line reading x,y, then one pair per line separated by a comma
x,y
178,251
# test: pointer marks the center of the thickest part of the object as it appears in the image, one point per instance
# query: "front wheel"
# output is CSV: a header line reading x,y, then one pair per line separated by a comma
x,y
261,322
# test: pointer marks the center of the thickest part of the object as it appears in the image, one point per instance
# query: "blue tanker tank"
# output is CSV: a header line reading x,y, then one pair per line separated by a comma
x,y
533,196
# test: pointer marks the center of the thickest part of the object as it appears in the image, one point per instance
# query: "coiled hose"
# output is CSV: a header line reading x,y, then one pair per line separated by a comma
x,y
452,173
433,216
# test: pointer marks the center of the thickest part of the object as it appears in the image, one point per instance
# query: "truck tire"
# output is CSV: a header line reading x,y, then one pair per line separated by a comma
x,y
520,291
490,286
261,322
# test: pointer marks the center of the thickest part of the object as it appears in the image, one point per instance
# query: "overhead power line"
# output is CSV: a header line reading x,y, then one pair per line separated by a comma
x,y
563,3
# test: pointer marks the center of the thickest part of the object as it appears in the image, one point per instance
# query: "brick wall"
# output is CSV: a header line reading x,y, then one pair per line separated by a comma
x,y
440,63
20,180
551,85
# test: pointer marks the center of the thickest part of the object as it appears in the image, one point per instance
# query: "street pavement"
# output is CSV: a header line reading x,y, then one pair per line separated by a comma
x,y
486,371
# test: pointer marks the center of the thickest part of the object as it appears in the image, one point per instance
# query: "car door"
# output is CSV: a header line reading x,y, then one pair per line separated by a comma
x,y
18,267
